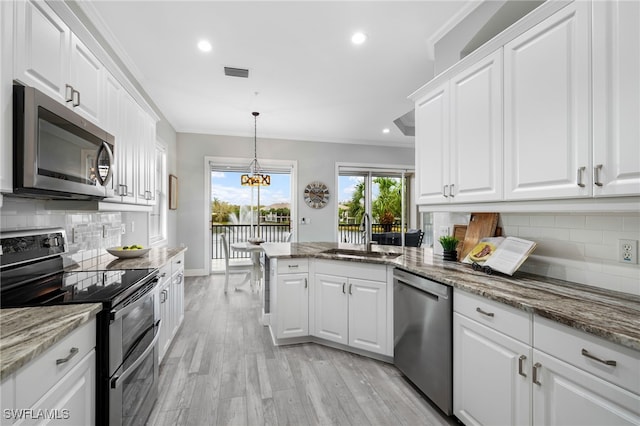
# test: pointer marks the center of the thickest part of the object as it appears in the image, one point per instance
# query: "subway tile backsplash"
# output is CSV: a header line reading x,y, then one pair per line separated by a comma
x,y
579,247
88,233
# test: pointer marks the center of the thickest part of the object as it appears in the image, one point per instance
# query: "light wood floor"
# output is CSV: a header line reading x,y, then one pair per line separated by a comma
x,y
222,368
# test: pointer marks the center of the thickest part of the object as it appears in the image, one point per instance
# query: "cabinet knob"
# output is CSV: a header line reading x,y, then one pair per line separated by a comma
x,y
521,365
444,191
536,367
596,175
579,178
68,92
483,312
595,358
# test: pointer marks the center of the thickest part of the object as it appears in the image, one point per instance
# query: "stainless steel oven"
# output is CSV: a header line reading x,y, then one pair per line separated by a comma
x,y
58,153
133,359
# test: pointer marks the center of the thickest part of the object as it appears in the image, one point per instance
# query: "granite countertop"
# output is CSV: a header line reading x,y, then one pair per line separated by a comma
x,y
612,315
25,333
156,258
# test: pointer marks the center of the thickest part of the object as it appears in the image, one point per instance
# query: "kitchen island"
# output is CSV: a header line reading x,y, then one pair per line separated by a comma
x,y
608,314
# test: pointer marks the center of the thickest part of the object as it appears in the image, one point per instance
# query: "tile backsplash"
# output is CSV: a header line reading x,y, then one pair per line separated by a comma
x,y
577,247
88,233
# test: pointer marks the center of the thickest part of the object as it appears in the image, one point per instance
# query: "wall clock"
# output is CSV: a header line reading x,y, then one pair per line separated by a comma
x,y
316,195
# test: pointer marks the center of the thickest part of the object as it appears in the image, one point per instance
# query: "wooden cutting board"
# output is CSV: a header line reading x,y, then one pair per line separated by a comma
x,y
481,225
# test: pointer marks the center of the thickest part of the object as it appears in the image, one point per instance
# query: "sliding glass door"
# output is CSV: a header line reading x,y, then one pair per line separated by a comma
x,y
373,201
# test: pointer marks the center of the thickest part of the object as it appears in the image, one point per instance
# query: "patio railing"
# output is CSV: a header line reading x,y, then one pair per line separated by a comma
x,y
351,233
238,233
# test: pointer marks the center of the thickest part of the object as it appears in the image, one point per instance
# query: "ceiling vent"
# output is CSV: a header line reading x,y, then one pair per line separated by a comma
x,y
236,72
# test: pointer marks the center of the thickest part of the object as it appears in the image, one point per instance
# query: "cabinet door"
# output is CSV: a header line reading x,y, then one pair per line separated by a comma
x,y
616,98
41,49
166,316
567,395
432,147
546,110
476,132
490,383
331,314
368,315
178,297
73,398
86,77
293,305
126,152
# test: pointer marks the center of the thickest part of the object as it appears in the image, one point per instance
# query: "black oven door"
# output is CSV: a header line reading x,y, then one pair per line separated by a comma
x,y
133,361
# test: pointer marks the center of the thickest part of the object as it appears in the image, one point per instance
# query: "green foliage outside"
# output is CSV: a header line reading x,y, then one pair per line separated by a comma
x,y
387,204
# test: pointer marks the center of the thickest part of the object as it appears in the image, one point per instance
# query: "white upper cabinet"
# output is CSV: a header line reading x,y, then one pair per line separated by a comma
x,y
87,80
432,146
52,59
459,136
616,98
476,132
42,49
546,111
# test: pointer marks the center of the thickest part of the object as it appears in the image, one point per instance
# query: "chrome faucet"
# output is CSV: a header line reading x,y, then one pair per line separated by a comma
x,y
365,228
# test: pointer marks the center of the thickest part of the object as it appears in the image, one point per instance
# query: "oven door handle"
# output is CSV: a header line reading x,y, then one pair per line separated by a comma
x,y
116,314
117,380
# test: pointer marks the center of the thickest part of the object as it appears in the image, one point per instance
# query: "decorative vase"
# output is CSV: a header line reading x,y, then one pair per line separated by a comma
x,y
450,255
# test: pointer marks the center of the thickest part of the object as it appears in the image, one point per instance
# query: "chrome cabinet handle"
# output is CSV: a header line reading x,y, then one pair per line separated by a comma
x,y
596,175
595,358
579,178
350,285
343,292
521,365
122,190
305,283
535,380
164,274
444,191
451,194
292,266
76,103
489,314
68,92
72,353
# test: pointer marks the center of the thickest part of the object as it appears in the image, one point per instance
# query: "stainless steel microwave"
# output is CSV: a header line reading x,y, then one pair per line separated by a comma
x,y
57,153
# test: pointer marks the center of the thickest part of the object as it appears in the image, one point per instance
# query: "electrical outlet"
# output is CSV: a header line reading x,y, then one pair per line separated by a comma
x,y
444,230
133,226
628,251
123,228
305,221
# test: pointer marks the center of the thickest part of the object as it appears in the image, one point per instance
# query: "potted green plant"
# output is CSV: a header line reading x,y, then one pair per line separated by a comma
x,y
449,244
387,219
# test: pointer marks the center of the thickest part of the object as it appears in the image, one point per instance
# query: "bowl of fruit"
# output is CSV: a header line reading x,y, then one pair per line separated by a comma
x,y
128,252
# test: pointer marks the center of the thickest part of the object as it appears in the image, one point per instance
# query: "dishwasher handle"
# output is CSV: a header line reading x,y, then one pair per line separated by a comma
x,y
425,285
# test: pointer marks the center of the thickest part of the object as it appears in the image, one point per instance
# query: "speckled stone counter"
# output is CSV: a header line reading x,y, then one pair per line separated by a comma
x,y
608,314
25,333
156,258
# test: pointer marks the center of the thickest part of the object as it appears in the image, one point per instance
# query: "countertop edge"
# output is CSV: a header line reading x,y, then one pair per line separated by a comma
x,y
488,292
13,356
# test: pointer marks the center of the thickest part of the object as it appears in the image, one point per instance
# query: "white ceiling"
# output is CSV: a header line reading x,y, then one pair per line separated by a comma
x,y
306,78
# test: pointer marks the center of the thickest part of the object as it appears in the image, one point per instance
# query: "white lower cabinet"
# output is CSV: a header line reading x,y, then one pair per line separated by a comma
x,y
171,302
290,297
58,387
489,388
350,307
511,368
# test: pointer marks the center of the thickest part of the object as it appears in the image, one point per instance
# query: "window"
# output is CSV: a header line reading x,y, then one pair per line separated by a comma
x,y
158,215
379,193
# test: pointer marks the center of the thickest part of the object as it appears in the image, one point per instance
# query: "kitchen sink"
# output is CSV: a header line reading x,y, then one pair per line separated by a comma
x,y
361,254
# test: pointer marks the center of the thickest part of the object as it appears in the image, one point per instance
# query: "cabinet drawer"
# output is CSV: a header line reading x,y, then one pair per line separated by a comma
x,y
568,344
291,266
177,263
505,319
37,377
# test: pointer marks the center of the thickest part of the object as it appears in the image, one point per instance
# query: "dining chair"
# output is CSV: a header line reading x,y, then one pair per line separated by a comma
x,y
241,265
286,237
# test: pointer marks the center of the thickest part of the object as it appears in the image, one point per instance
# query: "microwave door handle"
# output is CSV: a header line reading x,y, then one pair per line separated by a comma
x,y
117,380
104,148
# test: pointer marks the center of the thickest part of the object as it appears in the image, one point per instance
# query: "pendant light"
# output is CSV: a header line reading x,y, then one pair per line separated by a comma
x,y
256,177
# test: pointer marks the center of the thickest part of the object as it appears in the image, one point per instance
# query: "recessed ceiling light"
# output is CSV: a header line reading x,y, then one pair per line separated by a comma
x,y
358,38
385,130
204,45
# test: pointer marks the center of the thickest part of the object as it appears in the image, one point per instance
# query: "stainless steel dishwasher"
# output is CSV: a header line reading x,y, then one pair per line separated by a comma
x,y
422,325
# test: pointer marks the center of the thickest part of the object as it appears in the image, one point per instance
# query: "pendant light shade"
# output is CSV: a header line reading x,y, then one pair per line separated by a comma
x,y
256,177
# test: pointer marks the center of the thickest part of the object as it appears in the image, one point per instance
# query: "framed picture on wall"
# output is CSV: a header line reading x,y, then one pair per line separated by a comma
x,y
173,192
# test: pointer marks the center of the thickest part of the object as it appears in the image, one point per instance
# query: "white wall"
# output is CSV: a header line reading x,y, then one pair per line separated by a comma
x,y
577,247
316,161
